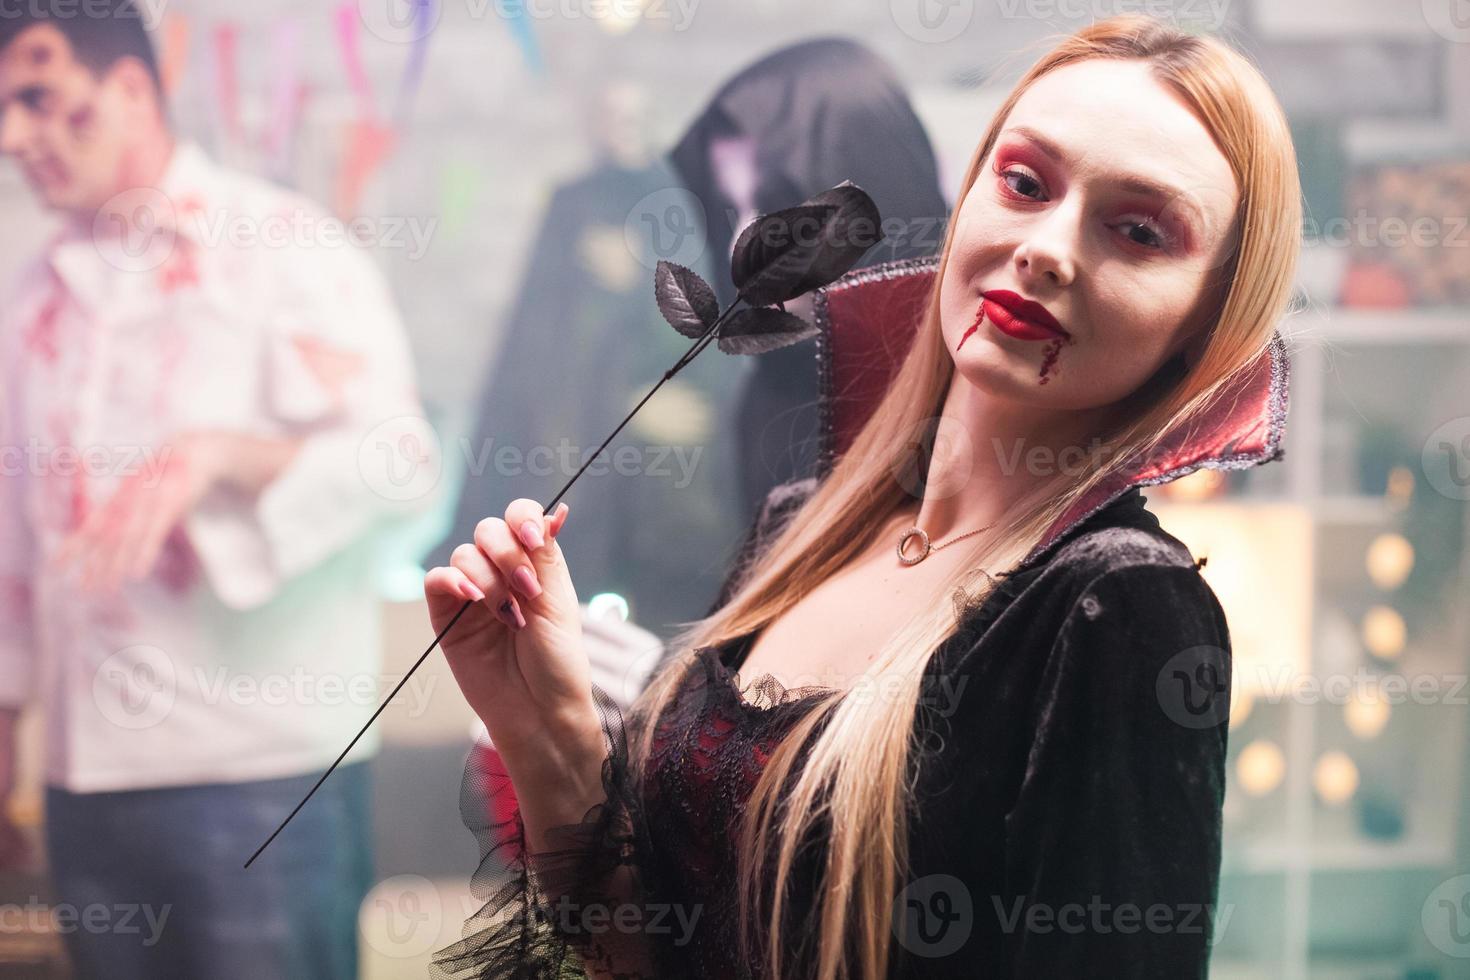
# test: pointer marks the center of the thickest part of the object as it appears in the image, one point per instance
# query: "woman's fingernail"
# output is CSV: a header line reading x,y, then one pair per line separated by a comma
x,y
525,580
559,519
508,616
472,592
531,535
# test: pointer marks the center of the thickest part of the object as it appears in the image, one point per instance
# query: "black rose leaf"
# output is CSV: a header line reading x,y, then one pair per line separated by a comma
x,y
685,299
759,329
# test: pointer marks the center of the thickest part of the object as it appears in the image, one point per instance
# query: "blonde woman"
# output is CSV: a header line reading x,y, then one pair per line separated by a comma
x,y
991,747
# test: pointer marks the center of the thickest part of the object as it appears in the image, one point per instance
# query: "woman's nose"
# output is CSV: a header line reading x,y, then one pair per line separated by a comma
x,y
1049,250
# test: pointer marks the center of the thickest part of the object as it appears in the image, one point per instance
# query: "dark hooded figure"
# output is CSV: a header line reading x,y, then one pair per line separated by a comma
x,y
654,517
798,121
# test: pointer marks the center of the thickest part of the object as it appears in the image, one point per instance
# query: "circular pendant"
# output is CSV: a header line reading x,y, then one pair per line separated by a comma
x,y
923,542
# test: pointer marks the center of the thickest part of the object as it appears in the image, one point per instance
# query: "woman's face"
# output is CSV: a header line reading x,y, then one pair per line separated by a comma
x,y
1106,202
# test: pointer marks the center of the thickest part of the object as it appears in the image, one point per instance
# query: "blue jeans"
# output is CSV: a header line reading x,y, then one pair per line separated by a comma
x,y
150,883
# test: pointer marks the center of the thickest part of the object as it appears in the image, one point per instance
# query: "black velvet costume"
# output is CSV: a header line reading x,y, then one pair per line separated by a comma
x,y
1068,774
1067,819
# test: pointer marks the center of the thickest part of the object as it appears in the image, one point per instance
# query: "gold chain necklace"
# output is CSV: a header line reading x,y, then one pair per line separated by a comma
x,y
918,532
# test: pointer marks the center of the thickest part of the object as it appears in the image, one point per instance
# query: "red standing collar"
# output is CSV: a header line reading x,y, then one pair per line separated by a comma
x,y
867,319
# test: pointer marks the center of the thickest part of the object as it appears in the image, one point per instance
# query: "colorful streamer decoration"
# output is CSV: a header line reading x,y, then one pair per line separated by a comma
x,y
175,53
514,12
369,140
348,40
288,97
226,76
425,15
459,186
369,143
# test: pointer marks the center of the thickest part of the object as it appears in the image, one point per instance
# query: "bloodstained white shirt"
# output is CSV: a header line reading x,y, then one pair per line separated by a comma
x,y
251,651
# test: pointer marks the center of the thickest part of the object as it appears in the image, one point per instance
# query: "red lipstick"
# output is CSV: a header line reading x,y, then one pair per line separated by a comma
x,y
1016,317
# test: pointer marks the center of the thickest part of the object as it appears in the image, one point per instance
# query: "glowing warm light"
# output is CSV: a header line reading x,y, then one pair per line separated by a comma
x,y
678,415
1366,713
1389,559
1260,568
608,605
1199,485
1400,487
1242,699
1335,778
618,18
605,252
1260,767
1384,632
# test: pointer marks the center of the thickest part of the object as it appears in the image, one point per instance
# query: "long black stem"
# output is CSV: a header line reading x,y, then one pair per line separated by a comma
x,y
684,360
679,365
398,687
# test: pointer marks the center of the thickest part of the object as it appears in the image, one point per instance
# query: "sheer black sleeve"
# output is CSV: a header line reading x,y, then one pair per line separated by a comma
x,y
570,910
1113,846
551,914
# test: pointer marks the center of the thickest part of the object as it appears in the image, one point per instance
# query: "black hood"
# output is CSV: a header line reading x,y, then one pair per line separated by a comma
x,y
819,112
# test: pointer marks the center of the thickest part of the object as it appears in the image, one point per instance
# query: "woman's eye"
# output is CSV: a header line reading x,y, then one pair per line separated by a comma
x,y
1022,176
1150,237
1145,233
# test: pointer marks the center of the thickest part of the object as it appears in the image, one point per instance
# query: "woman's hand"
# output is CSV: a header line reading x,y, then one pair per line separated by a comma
x,y
517,652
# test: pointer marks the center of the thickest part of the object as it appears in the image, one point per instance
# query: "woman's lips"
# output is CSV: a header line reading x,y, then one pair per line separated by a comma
x,y
1012,325
1016,317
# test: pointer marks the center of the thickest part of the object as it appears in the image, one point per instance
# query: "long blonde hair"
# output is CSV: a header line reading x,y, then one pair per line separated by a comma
x,y
853,784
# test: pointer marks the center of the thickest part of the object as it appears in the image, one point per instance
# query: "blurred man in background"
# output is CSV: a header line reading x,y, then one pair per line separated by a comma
x,y
203,424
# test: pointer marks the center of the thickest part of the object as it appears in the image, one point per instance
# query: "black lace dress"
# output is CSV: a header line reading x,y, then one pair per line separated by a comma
x,y
1066,819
